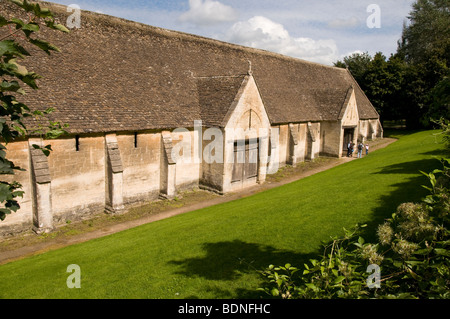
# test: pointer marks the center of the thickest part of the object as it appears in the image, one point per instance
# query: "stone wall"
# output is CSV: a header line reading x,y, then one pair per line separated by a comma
x,y
88,174
140,153
77,176
212,171
188,164
331,138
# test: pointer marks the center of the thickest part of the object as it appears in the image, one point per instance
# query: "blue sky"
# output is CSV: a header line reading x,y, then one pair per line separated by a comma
x,y
319,31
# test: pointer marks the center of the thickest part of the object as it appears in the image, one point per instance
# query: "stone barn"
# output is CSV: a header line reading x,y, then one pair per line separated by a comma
x,y
152,112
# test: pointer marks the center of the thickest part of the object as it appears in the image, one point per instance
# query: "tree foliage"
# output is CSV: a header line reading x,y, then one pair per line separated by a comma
x,y
410,84
357,64
15,33
427,34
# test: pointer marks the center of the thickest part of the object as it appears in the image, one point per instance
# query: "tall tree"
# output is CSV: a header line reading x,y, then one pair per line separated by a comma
x,y
425,47
428,32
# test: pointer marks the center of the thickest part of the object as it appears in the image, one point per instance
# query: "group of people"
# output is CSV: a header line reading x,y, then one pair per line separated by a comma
x,y
361,147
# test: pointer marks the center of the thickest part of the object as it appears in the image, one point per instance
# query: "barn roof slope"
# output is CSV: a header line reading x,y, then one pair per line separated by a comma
x,y
119,75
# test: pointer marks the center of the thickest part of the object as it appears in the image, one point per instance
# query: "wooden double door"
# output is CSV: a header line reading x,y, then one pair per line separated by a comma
x,y
245,166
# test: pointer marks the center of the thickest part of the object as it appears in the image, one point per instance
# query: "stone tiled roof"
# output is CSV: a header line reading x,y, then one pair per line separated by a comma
x,y
118,75
215,95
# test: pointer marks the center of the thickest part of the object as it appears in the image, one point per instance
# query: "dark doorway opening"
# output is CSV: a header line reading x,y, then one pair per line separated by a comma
x,y
349,134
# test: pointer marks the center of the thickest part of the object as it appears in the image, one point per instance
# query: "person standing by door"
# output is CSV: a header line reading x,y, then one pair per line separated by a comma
x,y
360,149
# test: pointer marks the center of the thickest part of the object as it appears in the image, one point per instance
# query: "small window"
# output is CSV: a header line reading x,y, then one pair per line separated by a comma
x,y
135,140
77,143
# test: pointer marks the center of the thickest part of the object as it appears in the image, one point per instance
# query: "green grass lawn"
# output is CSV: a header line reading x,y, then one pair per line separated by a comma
x,y
215,252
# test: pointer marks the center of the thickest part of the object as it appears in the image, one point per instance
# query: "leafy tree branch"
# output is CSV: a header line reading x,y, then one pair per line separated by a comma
x,y
13,75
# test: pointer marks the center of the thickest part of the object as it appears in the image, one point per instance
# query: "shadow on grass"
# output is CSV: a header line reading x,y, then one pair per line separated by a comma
x,y
397,133
409,190
412,167
437,153
229,260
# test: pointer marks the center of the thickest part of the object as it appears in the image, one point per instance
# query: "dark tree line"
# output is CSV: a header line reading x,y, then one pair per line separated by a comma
x,y
412,84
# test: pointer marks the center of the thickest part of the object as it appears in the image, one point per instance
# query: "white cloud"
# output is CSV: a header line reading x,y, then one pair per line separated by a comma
x,y
261,32
208,12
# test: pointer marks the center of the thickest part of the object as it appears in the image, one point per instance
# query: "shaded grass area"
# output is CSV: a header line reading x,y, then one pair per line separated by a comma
x,y
215,252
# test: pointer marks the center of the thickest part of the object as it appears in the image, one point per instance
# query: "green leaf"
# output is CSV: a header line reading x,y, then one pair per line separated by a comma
x,y
312,287
5,192
414,262
29,28
339,279
18,193
44,45
29,79
279,282
361,240
3,21
12,205
413,274
3,213
18,22
10,47
442,252
42,12
61,27
6,168
51,24
11,86
275,292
